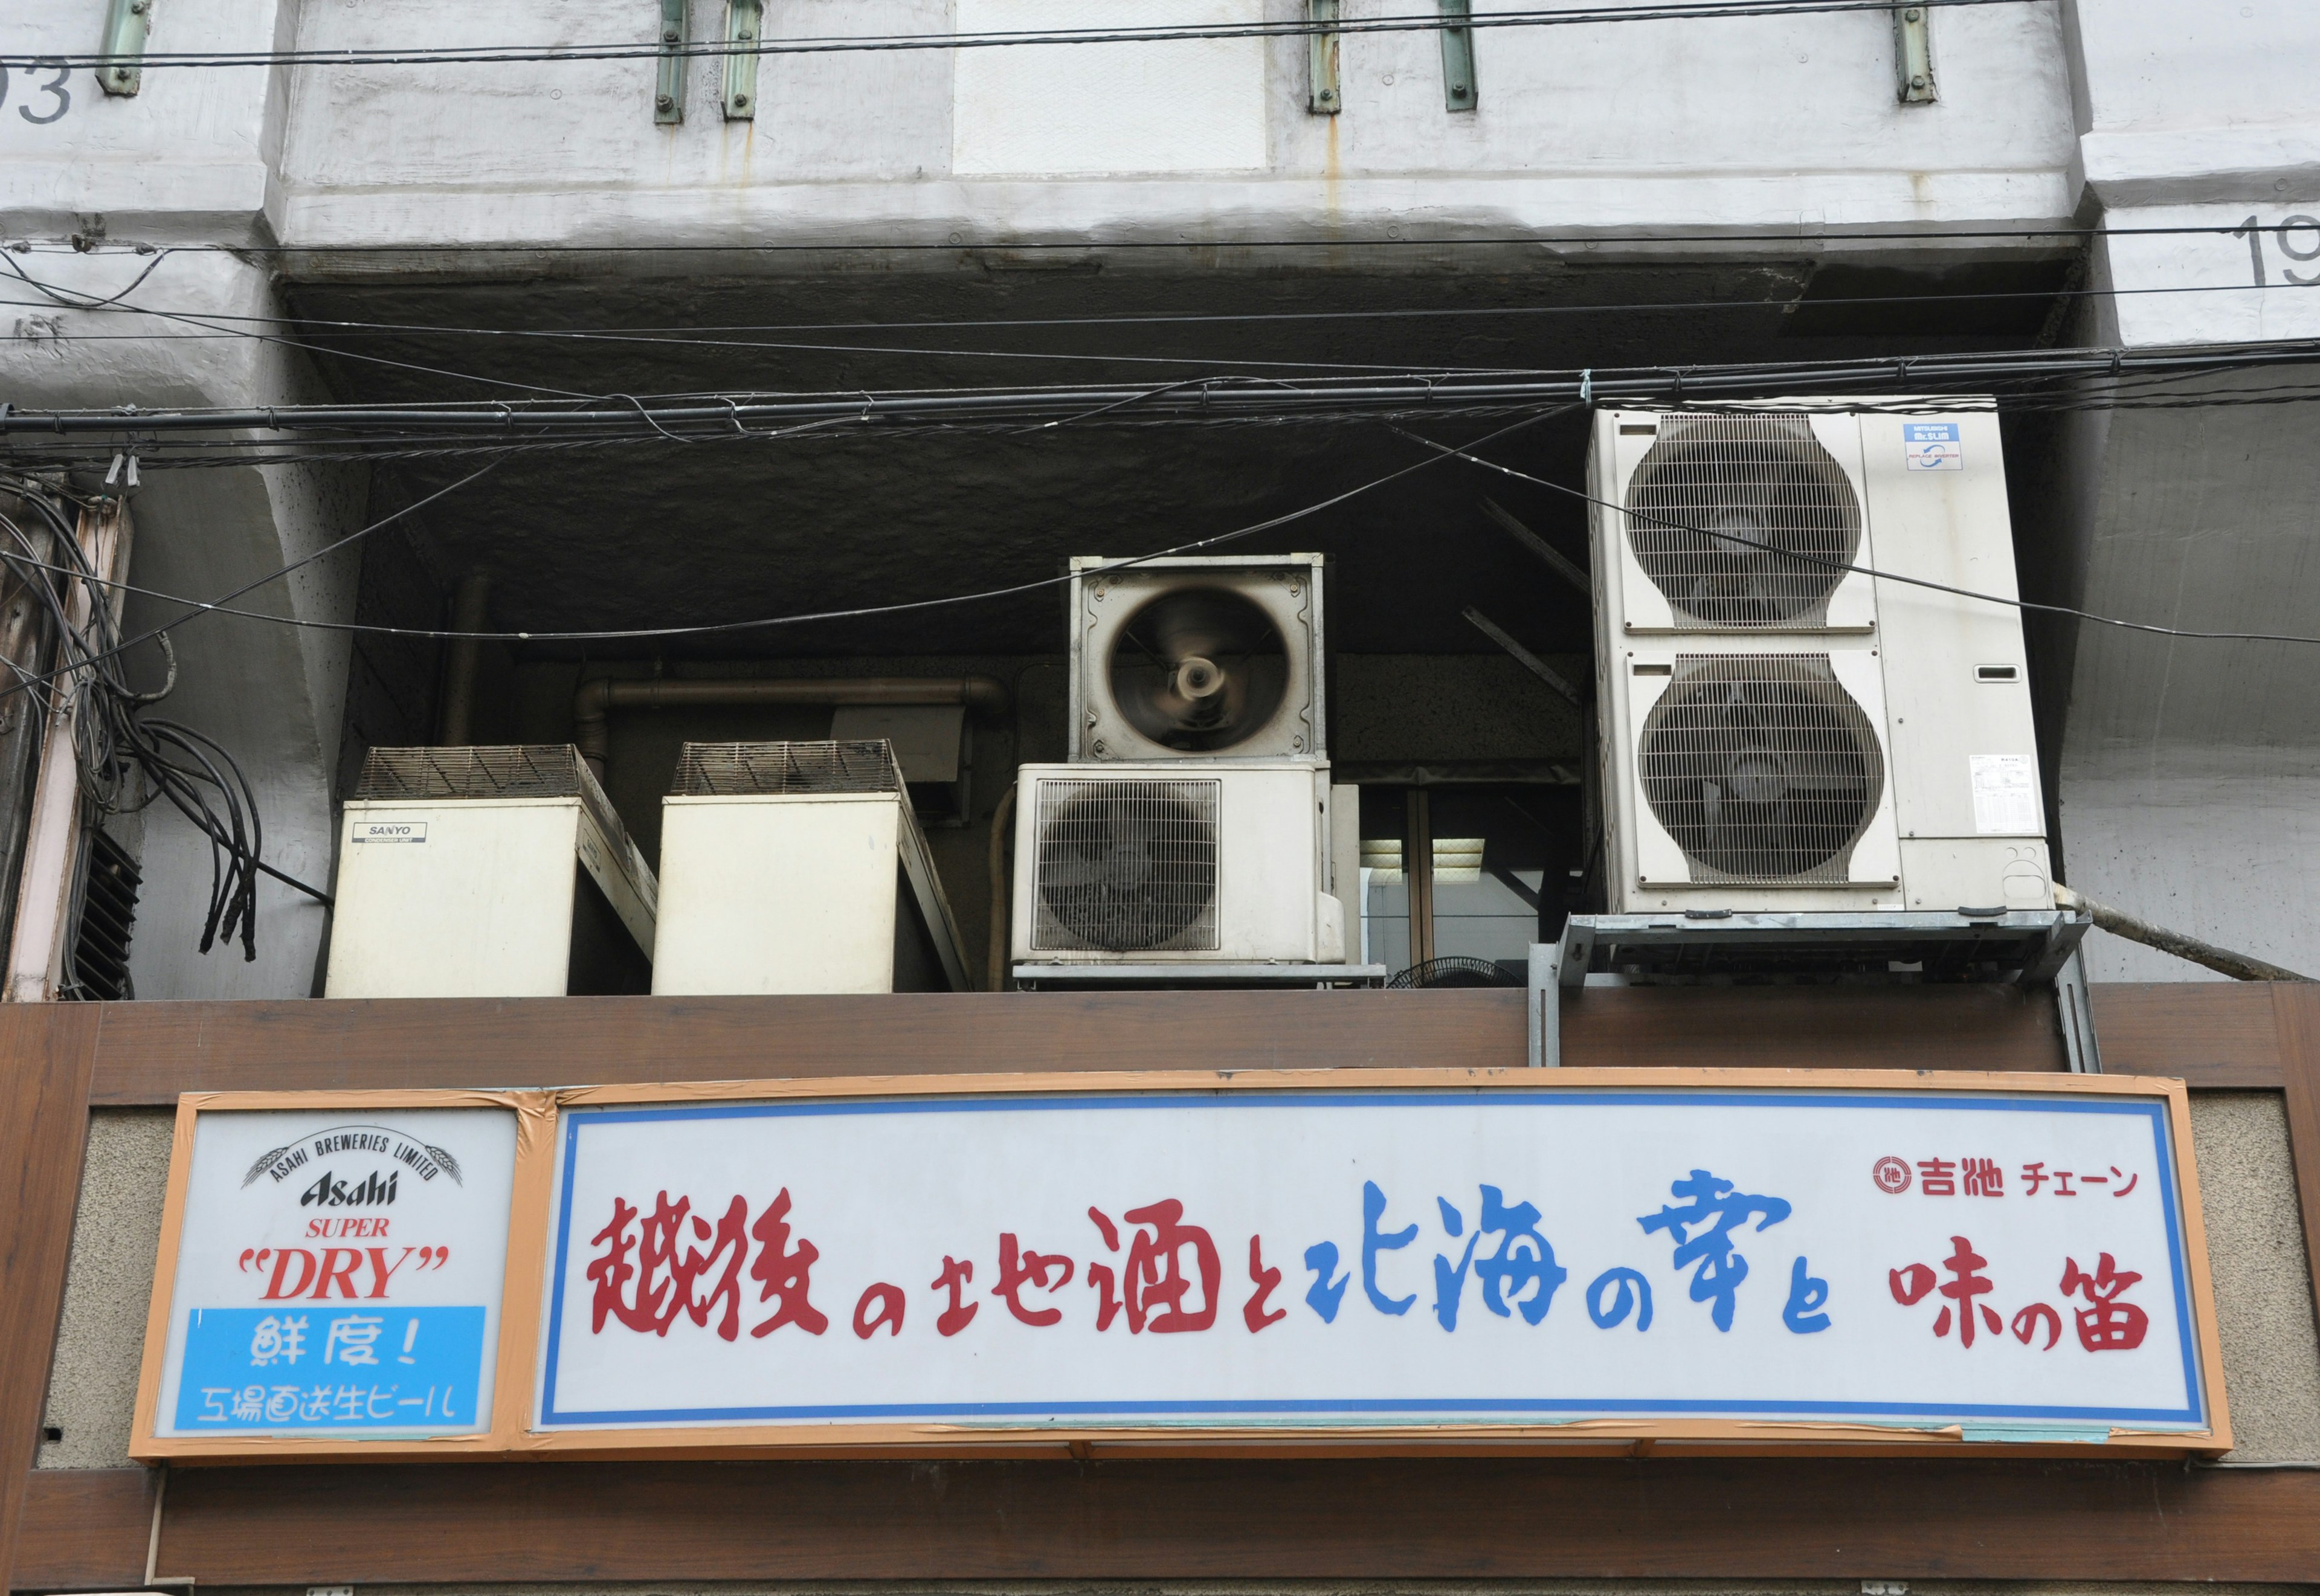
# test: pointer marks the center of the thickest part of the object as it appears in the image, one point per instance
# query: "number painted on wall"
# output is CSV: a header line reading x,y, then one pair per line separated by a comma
x,y
2287,236
52,97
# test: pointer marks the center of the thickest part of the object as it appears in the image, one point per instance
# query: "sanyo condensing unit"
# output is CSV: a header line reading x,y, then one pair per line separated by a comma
x,y
487,872
798,867
1202,658
1780,729
1177,863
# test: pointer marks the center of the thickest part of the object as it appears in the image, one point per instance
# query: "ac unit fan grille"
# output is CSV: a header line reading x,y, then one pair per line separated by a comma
x,y
1761,768
729,770
1125,867
1742,521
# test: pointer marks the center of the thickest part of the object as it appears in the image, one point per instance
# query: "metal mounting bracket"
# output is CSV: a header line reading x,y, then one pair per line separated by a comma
x,y
1321,57
1913,55
744,21
668,81
1458,56
126,25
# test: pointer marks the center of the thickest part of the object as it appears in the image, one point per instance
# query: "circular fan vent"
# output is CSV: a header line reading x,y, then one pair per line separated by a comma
x,y
1742,521
1761,768
1127,867
1453,969
1200,670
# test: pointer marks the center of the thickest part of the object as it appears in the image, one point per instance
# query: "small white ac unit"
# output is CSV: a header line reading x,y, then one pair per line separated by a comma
x,y
1197,658
487,872
1175,863
1779,729
798,867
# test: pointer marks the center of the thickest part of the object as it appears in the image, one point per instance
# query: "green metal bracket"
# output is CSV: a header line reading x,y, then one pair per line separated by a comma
x,y
1321,57
1913,55
668,84
744,21
126,23
1458,56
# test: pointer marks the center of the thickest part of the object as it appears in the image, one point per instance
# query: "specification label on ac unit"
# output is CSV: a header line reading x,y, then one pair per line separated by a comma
x,y
2004,794
1932,446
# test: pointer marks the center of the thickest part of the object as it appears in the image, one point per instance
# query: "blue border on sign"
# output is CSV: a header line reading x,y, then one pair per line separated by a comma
x,y
2193,1414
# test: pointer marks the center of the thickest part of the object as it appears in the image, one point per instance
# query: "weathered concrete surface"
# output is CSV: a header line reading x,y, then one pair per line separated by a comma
x,y
108,1286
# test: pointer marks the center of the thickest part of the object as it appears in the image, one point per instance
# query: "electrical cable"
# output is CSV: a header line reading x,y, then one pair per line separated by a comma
x,y
1662,11
1445,451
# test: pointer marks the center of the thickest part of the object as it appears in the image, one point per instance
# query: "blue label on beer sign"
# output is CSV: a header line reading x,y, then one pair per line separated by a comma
x,y
1932,446
311,1368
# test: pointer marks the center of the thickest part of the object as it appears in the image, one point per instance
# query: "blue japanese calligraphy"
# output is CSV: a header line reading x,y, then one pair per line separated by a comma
x,y
1805,1295
1523,1262
1717,1210
1321,1258
1633,1288
1374,1243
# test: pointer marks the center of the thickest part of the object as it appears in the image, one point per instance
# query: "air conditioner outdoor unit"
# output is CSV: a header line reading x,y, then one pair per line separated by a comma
x,y
798,867
1175,863
487,872
1197,658
1781,729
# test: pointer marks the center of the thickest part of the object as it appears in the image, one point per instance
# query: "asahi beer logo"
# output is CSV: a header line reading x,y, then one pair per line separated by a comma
x,y
340,1278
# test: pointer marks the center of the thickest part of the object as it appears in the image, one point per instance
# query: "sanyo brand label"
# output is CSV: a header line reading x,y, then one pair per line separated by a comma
x,y
1932,446
390,831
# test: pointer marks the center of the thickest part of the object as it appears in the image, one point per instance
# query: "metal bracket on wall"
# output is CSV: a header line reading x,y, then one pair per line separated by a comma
x,y
669,82
126,23
1321,57
1458,56
1913,55
744,21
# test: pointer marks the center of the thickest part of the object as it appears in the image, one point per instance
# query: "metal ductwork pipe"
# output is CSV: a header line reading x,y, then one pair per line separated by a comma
x,y
595,701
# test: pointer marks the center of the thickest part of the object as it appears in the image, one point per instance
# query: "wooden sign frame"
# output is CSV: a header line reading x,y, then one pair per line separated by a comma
x,y
517,1379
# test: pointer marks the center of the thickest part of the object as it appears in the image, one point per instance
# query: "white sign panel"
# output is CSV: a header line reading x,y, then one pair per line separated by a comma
x,y
2012,1265
338,1275
2216,274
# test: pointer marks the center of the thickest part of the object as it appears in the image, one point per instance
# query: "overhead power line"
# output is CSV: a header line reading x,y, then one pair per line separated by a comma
x,y
1949,378
828,44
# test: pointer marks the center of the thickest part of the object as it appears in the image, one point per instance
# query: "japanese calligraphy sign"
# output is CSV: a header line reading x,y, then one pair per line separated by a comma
x,y
1565,1259
330,1274
1354,1259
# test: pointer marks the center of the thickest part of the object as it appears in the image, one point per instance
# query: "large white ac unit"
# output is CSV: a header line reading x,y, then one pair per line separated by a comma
x,y
1177,863
1197,658
487,872
1781,729
798,867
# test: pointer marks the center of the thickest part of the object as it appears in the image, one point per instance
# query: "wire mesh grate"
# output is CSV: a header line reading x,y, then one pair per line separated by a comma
x,y
517,770
1761,768
748,770
1742,521
1125,867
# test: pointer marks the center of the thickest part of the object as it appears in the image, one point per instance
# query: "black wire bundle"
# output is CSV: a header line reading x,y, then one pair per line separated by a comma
x,y
126,757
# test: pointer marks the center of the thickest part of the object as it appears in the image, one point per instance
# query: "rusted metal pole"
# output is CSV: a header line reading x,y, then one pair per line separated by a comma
x,y
2239,967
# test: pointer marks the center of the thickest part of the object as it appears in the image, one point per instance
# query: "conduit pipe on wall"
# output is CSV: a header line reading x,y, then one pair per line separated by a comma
x,y
593,704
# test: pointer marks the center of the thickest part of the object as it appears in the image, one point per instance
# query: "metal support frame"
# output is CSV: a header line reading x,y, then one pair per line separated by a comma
x,y
1458,56
2022,948
669,78
1084,977
1522,655
1321,57
126,25
745,21
1913,55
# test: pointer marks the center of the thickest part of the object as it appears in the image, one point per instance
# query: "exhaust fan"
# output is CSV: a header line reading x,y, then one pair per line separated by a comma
x,y
1197,658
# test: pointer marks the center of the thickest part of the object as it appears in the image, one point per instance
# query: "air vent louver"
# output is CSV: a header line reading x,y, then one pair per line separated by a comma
x,y
1125,867
1761,768
1742,521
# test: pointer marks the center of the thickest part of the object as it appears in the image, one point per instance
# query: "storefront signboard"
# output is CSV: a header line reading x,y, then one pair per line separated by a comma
x,y
1355,1259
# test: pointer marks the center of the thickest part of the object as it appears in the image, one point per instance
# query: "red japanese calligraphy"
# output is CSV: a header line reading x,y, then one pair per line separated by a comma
x,y
649,1274
1101,1277
2026,1323
1018,1269
1962,1288
888,1310
1983,1178
1155,1276
2105,1324
1267,1281
784,1272
612,1271
957,1273
1937,1177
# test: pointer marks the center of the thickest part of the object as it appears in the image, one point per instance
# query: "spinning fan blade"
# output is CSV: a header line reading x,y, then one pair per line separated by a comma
x,y
1199,669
